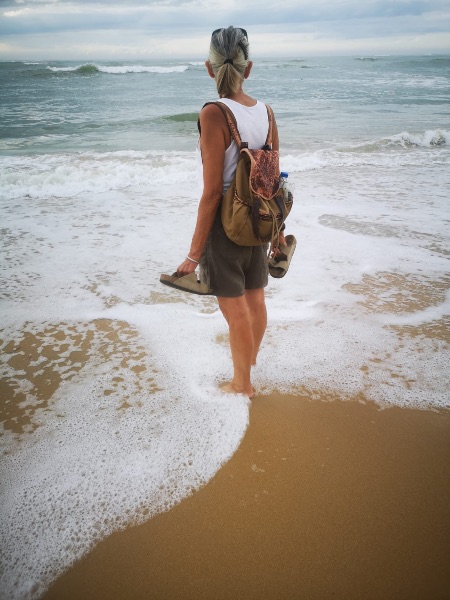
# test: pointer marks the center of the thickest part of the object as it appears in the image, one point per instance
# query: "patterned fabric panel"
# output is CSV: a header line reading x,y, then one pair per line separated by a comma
x,y
264,180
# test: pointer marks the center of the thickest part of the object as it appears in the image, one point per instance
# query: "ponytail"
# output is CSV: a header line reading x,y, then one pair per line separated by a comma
x,y
228,55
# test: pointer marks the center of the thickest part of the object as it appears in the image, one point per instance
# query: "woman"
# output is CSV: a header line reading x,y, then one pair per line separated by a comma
x,y
236,274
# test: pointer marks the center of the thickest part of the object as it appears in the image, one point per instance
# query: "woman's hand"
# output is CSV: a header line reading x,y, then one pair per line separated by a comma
x,y
186,267
275,246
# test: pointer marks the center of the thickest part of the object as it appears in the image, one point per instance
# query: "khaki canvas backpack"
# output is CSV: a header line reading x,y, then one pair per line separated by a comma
x,y
256,204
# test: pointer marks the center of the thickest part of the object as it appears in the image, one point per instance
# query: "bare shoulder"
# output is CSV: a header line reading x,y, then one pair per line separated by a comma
x,y
211,114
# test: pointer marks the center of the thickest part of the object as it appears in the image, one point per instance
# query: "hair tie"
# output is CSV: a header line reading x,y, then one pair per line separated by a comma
x,y
228,61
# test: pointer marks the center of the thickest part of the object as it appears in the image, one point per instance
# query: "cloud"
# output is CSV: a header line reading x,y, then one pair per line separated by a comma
x,y
165,27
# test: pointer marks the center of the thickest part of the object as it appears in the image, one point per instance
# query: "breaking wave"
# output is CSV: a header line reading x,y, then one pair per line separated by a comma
x,y
63,175
89,69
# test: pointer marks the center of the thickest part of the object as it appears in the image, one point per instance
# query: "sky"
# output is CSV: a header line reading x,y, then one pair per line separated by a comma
x,y
147,29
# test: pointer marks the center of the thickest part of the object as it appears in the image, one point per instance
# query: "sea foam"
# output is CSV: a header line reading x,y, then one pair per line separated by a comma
x,y
136,422
65,175
115,445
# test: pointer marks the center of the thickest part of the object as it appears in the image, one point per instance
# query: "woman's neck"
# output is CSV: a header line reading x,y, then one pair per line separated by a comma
x,y
242,98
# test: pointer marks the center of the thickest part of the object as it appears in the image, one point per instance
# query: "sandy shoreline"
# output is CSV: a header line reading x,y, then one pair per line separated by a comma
x,y
321,500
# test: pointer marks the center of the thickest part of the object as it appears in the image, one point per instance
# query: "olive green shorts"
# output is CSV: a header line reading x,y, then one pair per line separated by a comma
x,y
229,269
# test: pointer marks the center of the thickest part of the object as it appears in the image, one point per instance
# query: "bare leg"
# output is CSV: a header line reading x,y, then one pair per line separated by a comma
x,y
258,317
237,315
247,320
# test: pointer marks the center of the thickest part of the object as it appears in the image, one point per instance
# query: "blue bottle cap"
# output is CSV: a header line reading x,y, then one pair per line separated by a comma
x,y
284,174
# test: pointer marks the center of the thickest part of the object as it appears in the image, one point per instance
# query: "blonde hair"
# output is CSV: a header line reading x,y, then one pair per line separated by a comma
x,y
228,55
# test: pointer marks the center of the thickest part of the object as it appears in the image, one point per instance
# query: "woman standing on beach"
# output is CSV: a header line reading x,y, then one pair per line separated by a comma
x,y
236,274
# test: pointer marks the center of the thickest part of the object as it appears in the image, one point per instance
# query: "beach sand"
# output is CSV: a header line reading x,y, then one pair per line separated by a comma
x,y
323,499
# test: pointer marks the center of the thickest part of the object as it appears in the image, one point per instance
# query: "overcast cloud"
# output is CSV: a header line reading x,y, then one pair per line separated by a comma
x,y
96,29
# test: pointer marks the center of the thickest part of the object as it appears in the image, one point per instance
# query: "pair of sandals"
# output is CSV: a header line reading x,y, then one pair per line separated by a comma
x,y
278,267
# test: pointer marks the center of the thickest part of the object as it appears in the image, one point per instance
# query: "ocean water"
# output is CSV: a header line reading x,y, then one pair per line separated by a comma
x,y
110,409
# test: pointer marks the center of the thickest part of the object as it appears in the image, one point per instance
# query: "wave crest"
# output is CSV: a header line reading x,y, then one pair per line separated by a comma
x,y
431,137
83,69
89,69
394,150
65,175
143,69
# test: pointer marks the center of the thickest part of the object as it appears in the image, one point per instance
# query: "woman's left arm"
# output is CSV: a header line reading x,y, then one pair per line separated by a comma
x,y
215,138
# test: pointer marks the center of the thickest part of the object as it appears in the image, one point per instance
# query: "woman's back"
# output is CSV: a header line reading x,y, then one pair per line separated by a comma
x,y
253,125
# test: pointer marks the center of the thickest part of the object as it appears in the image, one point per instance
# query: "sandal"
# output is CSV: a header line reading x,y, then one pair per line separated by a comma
x,y
186,283
279,264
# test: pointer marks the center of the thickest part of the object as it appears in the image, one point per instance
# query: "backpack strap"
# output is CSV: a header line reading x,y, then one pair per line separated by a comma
x,y
232,124
268,144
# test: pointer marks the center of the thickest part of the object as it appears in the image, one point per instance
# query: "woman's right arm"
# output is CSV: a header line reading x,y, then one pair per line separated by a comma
x,y
215,138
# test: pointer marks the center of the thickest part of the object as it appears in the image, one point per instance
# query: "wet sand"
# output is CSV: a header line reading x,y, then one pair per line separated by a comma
x,y
321,500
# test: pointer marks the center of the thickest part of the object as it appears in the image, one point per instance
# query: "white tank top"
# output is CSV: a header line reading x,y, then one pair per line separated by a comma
x,y
253,125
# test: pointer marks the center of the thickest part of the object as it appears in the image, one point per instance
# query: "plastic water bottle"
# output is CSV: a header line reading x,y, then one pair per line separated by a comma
x,y
287,186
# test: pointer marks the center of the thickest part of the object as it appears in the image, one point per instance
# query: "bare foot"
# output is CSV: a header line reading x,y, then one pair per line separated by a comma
x,y
230,388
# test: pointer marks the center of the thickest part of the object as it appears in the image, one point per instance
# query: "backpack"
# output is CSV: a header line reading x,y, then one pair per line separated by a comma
x,y
256,204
